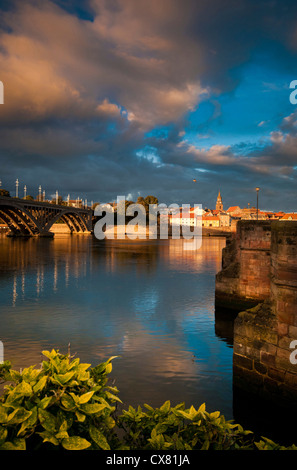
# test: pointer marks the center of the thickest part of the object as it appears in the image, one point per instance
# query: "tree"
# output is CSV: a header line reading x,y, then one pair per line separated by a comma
x,y
29,198
146,203
151,200
60,201
4,192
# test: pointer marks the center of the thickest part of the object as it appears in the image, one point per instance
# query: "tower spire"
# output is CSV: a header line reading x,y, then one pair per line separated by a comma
x,y
219,204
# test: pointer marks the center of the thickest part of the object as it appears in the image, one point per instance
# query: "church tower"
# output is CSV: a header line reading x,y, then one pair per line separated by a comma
x,y
219,204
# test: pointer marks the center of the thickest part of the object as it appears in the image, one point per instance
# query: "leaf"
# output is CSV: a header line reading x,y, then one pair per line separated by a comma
x,y
80,416
160,428
85,397
75,443
48,437
17,444
18,416
44,403
23,389
73,364
111,359
47,420
3,415
98,438
68,402
149,407
40,385
47,354
215,414
29,422
201,408
108,368
184,414
92,408
3,434
166,407
62,435
205,446
64,378
15,376
113,397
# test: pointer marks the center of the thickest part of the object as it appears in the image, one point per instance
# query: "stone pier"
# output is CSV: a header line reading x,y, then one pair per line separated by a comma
x,y
244,280
263,354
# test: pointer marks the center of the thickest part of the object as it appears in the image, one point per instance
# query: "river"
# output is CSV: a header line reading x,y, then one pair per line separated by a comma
x,y
149,302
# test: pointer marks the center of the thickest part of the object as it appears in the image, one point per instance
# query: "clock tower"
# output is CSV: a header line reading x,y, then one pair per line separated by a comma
x,y
219,204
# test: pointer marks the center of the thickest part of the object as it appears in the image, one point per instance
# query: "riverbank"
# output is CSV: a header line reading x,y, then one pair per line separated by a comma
x,y
146,233
141,232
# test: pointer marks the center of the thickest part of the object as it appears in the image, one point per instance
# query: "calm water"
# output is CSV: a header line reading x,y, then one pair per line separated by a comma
x,y
149,302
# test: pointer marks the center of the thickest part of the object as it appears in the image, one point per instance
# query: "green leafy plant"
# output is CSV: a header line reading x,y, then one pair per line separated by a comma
x,y
178,428
66,405
63,404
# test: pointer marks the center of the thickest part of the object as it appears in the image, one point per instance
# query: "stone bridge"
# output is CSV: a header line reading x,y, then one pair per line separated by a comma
x,y
33,218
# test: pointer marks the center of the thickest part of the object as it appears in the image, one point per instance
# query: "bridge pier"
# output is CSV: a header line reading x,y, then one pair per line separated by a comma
x,y
263,353
244,280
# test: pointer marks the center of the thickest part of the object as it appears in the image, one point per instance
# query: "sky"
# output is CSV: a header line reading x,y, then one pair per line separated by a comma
x,y
107,98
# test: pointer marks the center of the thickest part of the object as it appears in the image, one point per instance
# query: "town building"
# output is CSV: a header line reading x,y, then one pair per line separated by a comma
x,y
287,217
210,221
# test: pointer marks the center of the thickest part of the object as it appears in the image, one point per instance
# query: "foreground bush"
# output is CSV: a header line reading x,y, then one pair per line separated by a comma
x,y
66,405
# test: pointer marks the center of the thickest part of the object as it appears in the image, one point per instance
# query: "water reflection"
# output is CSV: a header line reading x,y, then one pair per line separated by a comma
x,y
151,302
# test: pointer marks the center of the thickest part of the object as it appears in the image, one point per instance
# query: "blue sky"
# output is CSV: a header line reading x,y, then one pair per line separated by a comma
x,y
107,98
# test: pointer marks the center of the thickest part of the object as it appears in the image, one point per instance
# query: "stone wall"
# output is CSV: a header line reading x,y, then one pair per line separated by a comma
x,y
262,354
244,279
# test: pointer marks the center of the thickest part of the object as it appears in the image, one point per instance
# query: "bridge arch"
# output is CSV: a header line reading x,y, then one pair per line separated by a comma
x,y
31,218
74,221
20,221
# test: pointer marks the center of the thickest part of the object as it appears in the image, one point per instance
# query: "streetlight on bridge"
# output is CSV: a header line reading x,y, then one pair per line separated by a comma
x,y
25,192
17,188
257,189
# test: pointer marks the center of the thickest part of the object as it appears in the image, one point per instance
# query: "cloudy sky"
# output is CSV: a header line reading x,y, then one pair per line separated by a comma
x,y
136,97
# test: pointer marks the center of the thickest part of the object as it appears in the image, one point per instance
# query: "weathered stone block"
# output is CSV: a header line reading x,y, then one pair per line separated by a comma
x,y
284,343
290,378
247,379
261,368
239,345
282,328
292,331
267,358
276,374
242,361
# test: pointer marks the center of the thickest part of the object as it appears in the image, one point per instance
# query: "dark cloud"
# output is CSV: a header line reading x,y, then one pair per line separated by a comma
x,y
87,83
